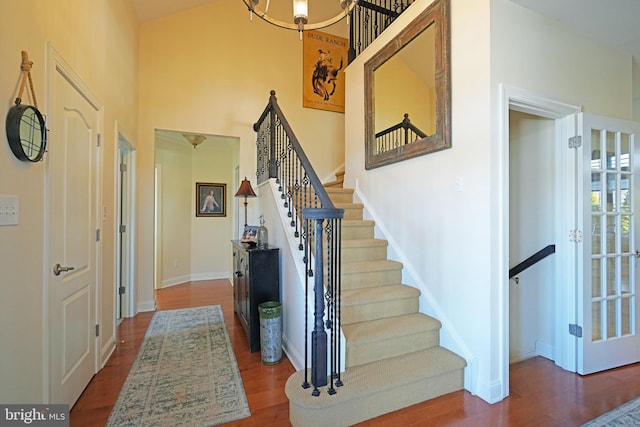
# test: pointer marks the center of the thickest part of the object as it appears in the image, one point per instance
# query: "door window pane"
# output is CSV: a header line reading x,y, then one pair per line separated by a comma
x,y
612,317
626,316
596,278
612,268
596,315
612,277
624,152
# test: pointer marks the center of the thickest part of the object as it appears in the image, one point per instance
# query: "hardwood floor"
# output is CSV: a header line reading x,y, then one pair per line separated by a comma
x,y
541,393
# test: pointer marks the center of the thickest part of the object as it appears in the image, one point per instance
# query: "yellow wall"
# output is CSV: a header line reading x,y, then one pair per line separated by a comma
x,y
99,40
191,247
209,72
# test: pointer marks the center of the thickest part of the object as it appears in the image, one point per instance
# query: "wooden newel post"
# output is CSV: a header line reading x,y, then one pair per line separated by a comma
x,y
319,335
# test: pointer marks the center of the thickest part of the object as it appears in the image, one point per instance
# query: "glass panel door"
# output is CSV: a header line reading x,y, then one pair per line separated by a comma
x,y
609,303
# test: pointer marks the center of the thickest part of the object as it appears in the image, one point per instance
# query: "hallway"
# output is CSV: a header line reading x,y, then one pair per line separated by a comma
x,y
541,393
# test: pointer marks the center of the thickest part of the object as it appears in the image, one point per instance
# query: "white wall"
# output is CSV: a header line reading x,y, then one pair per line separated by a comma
x,y
451,242
532,219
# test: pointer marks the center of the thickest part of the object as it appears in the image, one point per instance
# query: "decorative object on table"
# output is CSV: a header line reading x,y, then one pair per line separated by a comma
x,y
185,374
25,125
250,234
211,199
263,235
245,191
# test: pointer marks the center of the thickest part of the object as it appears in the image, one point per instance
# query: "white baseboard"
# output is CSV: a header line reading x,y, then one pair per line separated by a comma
x,y
172,281
107,351
146,306
296,359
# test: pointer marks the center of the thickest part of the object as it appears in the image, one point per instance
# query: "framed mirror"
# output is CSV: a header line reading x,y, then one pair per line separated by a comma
x,y
408,91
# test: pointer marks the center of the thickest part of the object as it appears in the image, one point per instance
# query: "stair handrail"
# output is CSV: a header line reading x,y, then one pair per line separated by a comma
x,y
409,133
369,19
280,156
532,260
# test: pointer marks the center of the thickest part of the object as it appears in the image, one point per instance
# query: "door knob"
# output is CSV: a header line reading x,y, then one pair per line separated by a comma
x,y
57,269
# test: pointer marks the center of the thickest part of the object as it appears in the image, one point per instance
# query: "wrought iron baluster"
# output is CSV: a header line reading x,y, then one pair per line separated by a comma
x,y
337,262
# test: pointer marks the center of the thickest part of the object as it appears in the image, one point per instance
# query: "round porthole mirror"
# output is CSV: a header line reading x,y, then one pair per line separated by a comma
x,y
26,132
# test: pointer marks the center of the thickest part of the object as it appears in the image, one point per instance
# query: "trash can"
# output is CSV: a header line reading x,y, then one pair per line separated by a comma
x,y
270,332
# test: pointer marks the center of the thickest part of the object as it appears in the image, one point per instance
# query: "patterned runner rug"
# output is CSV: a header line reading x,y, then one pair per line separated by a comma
x,y
185,374
624,415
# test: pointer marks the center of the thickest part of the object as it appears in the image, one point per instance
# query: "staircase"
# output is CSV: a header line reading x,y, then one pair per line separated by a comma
x,y
393,356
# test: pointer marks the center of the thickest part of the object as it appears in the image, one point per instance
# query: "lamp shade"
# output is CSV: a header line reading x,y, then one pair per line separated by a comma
x,y
245,189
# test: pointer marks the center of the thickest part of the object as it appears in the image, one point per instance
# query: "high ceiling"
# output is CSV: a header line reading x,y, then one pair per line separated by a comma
x,y
615,23
152,9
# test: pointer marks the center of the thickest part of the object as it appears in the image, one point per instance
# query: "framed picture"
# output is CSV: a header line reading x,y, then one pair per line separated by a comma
x,y
250,234
324,60
211,199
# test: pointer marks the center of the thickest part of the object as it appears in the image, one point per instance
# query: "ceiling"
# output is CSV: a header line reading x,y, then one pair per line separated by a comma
x,y
613,23
152,9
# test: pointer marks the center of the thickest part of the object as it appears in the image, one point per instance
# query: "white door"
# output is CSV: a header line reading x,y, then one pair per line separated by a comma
x,y
73,237
608,309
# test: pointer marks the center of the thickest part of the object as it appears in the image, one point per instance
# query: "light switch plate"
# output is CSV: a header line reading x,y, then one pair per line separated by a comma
x,y
9,210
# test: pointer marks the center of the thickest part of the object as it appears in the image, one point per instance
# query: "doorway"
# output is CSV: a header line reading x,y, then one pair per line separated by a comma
x,y
188,246
540,308
73,251
532,228
125,229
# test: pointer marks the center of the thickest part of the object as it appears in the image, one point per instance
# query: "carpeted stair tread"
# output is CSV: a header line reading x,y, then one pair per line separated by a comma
x,y
339,194
390,327
357,229
351,210
377,294
387,376
358,223
368,266
389,337
364,243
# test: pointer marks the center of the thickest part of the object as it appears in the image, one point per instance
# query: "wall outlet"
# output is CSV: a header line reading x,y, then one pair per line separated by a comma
x,y
9,210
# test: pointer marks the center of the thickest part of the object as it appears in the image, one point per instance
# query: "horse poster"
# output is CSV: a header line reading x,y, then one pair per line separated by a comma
x,y
324,61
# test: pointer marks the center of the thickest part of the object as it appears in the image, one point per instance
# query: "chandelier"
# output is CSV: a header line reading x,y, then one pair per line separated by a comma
x,y
300,20
194,139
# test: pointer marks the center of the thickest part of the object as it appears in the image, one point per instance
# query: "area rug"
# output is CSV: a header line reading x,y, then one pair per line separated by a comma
x,y
624,415
185,374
